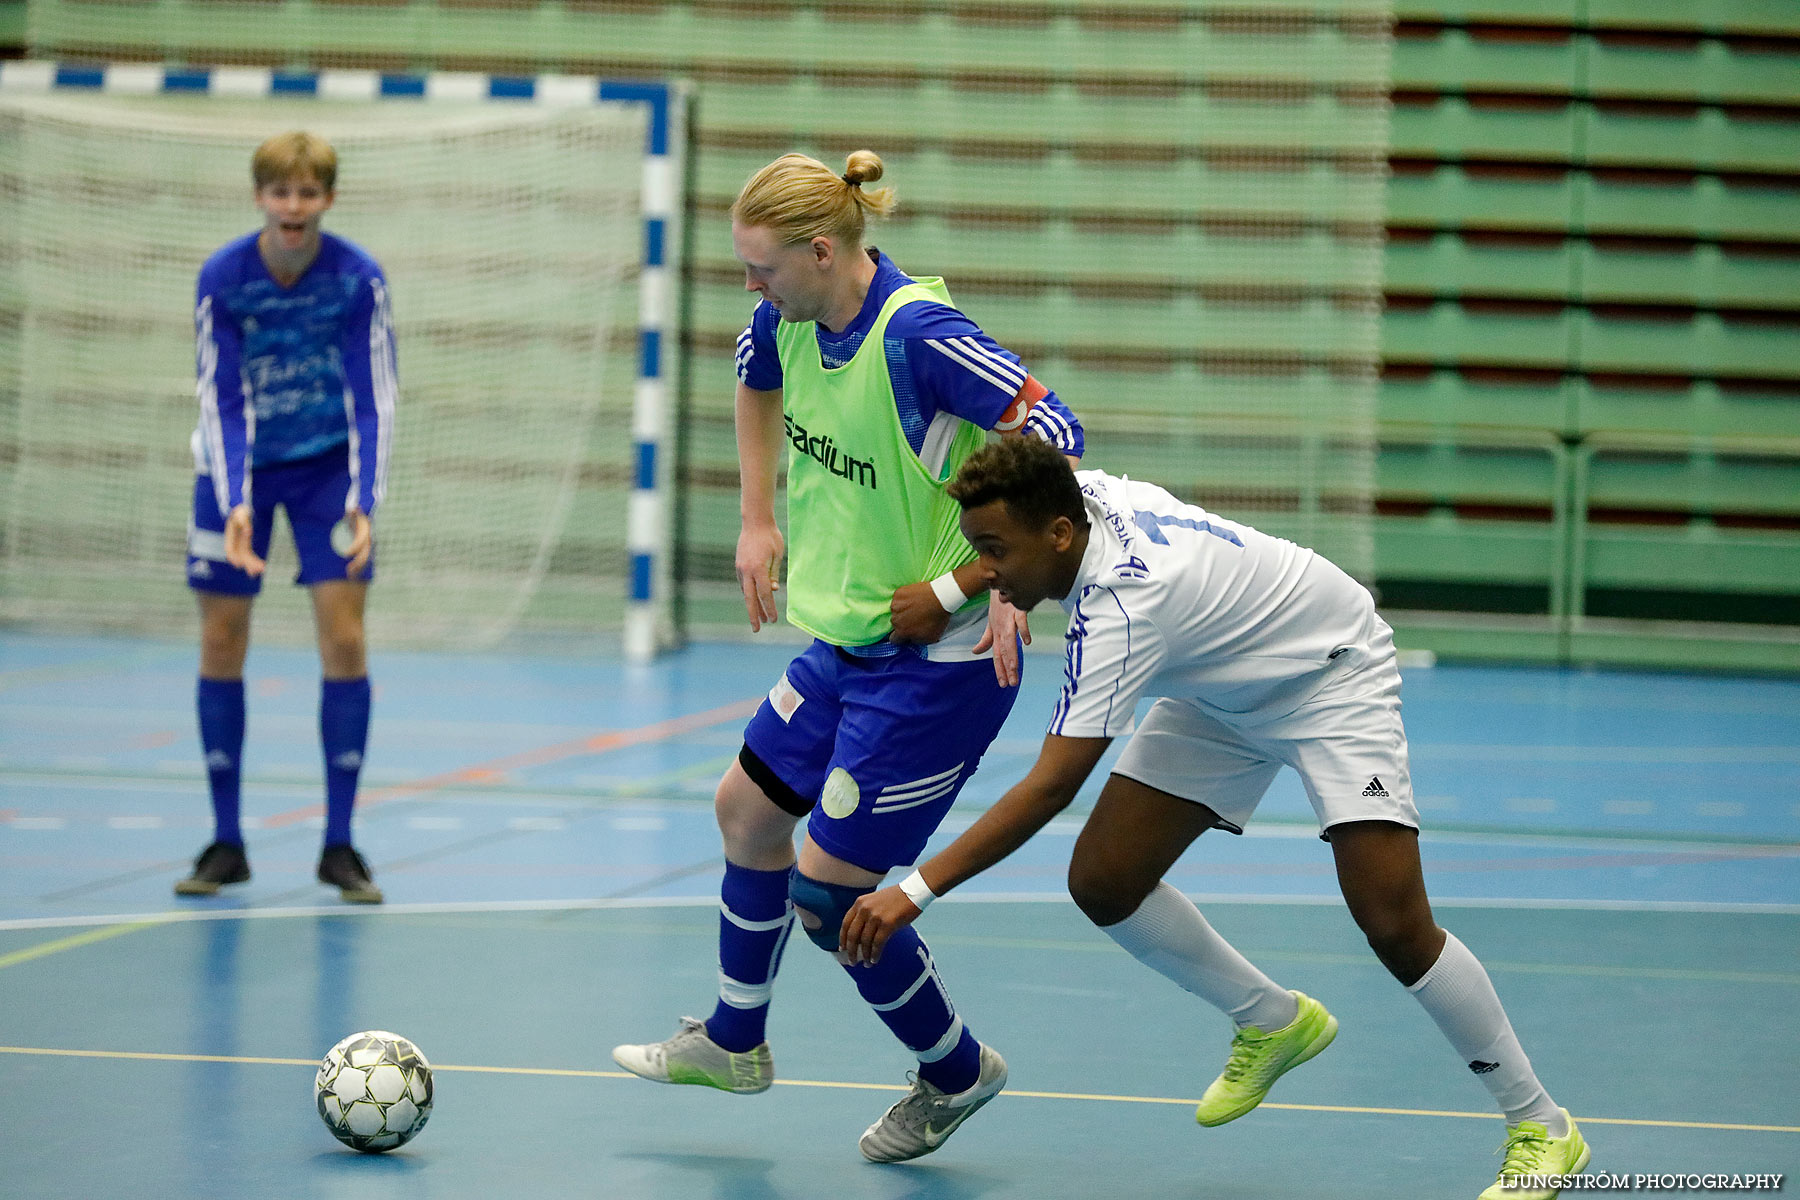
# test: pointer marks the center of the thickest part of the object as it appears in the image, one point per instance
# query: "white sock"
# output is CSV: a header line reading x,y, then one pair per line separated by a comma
x,y
1461,999
1168,935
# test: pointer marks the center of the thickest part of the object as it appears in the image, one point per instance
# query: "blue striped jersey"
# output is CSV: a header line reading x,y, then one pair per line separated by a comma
x,y
290,373
942,366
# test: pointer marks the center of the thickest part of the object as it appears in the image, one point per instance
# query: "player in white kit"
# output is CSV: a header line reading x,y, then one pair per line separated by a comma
x,y
1263,654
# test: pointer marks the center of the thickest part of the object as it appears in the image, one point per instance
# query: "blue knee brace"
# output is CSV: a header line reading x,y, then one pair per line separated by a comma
x,y
828,902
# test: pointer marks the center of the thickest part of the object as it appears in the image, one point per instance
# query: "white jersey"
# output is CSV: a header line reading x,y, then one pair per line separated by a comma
x,y
1173,601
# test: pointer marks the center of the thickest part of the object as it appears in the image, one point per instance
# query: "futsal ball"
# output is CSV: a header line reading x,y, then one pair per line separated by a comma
x,y
373,1091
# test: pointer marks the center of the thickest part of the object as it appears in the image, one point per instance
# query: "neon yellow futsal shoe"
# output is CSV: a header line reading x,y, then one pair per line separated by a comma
x,y
1258,1059
1536,1162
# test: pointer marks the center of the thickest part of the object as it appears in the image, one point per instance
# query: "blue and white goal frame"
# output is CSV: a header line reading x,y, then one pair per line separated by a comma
x,y
649,624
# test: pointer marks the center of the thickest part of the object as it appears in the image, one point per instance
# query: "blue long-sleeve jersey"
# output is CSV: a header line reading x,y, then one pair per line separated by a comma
x,y
938,360
291,373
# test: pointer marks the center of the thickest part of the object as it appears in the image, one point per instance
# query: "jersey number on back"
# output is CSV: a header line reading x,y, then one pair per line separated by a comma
x,y
1152,525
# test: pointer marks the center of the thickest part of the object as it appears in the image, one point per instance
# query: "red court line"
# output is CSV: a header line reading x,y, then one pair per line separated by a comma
x,y
599,743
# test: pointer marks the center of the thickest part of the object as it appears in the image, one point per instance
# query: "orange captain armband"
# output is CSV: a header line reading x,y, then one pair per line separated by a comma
x,y
1014,417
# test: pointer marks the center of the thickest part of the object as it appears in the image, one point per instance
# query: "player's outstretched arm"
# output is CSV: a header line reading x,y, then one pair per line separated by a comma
x,y
760,545
1063,765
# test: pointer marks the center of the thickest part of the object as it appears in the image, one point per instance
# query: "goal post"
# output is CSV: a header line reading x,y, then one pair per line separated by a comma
x,y
529,230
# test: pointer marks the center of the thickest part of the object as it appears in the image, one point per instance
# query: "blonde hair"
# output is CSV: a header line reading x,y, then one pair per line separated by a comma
x,y
293,155
800,198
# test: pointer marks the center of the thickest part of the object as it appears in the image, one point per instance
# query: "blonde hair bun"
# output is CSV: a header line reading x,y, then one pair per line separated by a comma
x,y
862,166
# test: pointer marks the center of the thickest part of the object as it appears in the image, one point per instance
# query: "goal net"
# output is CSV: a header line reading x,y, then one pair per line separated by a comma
x,y
511,237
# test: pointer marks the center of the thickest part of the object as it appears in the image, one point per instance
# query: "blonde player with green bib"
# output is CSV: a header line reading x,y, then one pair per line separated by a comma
x,y
879,389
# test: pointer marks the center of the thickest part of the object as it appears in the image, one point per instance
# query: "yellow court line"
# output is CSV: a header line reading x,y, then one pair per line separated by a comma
x,y
71,942
1358,1110
1489,1116
1370,1110
148,1056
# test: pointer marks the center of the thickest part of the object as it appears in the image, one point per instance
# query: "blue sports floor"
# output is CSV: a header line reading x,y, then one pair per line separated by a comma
x,y
1622,851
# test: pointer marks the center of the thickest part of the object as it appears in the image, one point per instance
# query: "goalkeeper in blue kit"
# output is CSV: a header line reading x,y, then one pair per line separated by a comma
x,y
296,379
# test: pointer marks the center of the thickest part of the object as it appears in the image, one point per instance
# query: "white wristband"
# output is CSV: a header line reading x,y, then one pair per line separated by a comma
x,y
948,592
917,890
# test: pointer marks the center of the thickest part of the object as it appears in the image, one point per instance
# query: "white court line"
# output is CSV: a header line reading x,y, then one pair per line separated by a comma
x,y
455,731
478,794
712,901
1524,755
107,782
451,731
341,910
1526,902
461,793
1287,829
1014,1093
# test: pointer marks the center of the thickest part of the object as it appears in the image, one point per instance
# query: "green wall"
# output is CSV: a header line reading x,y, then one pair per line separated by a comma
x,y
1592,331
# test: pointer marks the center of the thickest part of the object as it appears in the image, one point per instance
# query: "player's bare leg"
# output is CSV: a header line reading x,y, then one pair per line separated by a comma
x,y
1129,843
756,832
1134,836
338,606
1384,885
224,634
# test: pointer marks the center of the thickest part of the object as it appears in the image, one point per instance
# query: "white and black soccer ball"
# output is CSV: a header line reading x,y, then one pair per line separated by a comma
x,y
373,1091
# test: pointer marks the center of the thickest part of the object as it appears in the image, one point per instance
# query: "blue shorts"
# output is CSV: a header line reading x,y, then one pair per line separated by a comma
x,y
311,489
883,744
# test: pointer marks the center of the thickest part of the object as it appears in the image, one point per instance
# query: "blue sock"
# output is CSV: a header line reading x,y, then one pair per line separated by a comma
x,y
344,732
906,993
755,919
220,703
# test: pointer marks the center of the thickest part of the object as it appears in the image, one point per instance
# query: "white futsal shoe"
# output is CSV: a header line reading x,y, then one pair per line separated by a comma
x,y
693,1057
927,1117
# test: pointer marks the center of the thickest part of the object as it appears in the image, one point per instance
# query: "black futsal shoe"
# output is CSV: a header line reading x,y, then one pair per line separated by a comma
x,y
346,870
219,864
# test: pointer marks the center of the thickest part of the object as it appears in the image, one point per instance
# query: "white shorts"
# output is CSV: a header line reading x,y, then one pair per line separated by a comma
x,y
1346,742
